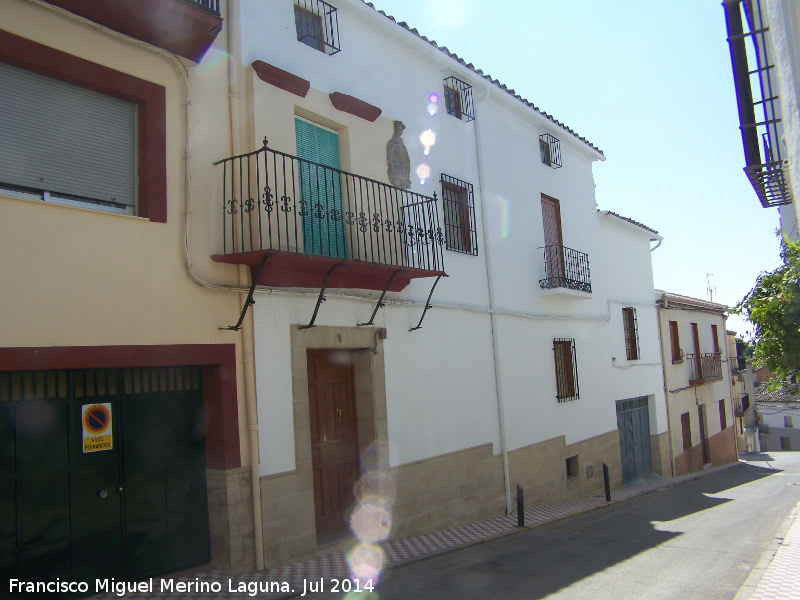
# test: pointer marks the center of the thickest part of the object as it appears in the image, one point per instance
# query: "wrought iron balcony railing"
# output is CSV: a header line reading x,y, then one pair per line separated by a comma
x,y
736,364
704,367
210,5
279,202
566,268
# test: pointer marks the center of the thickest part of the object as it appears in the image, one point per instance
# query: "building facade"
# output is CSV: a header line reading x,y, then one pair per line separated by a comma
x,y
123,441
697,380
441,312
477,332
778,414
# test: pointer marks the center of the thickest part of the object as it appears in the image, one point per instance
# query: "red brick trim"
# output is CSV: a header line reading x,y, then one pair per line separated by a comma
x,y
219,381
150,99
281,79
354,106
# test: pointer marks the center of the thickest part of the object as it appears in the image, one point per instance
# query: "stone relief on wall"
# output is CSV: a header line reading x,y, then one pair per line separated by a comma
x,y
397,159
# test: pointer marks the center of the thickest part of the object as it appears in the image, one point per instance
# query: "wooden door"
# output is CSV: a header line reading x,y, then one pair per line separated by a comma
x,y
334,439
553,244
701,416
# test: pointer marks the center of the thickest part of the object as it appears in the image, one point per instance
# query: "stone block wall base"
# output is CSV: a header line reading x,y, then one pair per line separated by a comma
x,y
541,468
230,516
659,451
722,450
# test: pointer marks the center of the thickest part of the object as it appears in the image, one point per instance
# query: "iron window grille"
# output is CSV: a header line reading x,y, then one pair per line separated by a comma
x,y
631,328
458,99
550,150
723,419
459,215
566,369
756,92
317,25
675,343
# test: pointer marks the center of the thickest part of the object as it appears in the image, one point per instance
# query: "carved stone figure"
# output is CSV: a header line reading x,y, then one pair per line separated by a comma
x,y
397,159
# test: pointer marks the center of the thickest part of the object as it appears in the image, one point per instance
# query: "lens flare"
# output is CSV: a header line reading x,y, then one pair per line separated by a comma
x,y
502,218
432,109
366,562
428,138
433,98
423,171
371,521
426,152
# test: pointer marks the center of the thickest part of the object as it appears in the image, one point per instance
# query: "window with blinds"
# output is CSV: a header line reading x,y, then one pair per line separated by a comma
x,y
459,215
566,369
66,144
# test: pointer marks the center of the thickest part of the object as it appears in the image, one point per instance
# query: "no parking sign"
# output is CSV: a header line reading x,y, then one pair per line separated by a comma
x,y
97,432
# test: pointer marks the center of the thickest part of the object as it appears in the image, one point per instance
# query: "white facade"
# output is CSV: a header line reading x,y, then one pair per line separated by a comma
x,y
480,373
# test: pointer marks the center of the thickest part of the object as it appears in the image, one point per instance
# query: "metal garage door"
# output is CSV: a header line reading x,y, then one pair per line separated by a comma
x,y
633,421
73,508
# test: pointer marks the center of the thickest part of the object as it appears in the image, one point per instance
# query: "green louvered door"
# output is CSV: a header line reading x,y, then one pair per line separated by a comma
x,y
320,190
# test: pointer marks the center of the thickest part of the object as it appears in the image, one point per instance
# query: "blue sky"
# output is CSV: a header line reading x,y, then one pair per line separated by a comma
x,y
650,84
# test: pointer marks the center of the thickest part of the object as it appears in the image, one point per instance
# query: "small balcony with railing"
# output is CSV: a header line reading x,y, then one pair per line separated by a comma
x,y
301,224
566,272
741,404
704,368
184,27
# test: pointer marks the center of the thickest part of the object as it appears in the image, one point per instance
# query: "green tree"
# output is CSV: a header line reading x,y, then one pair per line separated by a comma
x,y
773,307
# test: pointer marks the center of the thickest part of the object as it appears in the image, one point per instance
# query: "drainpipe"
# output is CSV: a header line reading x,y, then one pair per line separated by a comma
x,y
498,381
666,386
248,342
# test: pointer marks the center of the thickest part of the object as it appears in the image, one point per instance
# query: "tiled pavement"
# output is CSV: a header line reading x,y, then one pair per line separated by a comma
x,y
396,552
781,578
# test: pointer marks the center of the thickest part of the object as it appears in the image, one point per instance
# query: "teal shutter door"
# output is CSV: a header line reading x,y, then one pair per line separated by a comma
x,y
320,191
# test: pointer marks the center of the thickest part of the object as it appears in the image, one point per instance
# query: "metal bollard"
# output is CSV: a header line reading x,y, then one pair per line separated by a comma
x,y
520,507
606,482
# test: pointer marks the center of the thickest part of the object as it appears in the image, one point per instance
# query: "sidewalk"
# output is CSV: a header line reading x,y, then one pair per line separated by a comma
x,y
334,565
777,576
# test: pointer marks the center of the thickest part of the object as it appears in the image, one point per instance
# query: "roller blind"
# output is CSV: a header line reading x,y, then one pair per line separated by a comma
x,y
64,139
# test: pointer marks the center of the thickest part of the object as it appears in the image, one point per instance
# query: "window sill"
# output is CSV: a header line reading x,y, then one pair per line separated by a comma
x,y
573,478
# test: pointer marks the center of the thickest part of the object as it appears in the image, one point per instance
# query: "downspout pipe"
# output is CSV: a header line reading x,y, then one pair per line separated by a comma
x,y
248,340
490,284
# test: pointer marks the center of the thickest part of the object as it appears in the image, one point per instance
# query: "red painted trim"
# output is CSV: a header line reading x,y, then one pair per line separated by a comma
x,y
175,25
354,106
287,269
220,401
150,99
281,79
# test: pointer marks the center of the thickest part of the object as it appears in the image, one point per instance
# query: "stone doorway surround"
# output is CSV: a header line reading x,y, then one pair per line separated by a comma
x,y
287,499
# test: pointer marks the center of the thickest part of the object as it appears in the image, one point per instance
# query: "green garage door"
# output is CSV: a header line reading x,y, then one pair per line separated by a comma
x,y
633,422
102,474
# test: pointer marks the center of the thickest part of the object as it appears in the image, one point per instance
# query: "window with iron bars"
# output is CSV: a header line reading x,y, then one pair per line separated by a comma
x,y
566,369
686,431
317,25
458,99
550,150
631,329
458,202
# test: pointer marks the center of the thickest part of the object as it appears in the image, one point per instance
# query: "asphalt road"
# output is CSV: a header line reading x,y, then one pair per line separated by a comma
x,y
698,539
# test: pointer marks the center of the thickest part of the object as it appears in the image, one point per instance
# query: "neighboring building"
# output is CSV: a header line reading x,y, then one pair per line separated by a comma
x,y
741,396
764,40
778,419
539,358
697,381
121,403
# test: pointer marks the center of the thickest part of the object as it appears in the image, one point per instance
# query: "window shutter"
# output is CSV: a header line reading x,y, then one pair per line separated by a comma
x,y
64,139
321,190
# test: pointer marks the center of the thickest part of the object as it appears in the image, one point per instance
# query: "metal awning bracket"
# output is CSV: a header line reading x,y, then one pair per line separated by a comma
x,y
321,298
249,302
427,303
380,303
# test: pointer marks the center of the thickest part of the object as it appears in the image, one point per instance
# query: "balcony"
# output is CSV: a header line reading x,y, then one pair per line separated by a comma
x,y
566,269
736,364
704,368
184,27
323,226
741,404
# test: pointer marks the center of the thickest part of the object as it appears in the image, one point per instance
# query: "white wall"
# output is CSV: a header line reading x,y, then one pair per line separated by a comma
x,y
440,382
